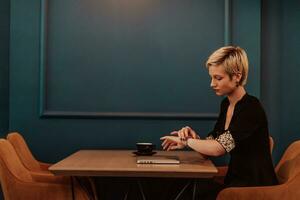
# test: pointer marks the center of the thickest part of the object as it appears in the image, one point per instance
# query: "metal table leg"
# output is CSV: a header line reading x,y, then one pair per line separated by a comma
x,y
72,187
194,188
182,190
141,189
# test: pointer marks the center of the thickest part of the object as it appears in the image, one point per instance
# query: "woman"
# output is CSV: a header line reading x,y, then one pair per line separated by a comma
x,y
241,129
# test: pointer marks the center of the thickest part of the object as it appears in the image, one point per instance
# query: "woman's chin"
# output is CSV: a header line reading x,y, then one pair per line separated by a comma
x,y
219,93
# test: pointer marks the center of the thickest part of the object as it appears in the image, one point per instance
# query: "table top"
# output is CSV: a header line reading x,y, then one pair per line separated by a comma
x,y
122,163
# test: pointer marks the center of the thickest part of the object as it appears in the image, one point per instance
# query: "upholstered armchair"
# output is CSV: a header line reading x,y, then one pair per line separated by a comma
x,y
19,183
37,167
288,174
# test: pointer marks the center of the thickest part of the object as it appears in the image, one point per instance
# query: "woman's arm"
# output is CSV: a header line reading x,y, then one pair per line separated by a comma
x,y
206,147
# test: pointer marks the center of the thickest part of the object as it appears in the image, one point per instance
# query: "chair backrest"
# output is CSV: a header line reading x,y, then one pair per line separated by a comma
x,y
23,151
11,168
289,164
10,160
271,144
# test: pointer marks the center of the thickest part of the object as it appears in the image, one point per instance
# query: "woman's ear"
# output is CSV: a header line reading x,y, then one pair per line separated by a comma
x,y
237,77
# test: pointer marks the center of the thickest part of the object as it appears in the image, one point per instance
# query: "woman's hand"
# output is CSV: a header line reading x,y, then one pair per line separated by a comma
x,y
172,143
185,133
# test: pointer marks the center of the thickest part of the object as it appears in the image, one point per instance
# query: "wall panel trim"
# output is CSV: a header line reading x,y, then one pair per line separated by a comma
x,y
45,113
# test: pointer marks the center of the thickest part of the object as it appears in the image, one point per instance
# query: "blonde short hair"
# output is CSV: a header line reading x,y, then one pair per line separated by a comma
x,y
233,59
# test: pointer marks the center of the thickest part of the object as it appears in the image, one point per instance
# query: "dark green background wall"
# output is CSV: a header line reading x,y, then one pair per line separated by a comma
x,y
290,71
4,65
57,96
104,74
281,70
4,68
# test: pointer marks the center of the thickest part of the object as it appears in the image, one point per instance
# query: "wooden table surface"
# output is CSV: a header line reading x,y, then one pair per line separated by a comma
x,y
122,163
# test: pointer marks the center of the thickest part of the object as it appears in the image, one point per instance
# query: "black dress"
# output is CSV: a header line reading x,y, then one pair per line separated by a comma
x,y
247,141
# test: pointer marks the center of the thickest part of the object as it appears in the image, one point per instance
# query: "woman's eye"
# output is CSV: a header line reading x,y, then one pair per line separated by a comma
x,y
218,78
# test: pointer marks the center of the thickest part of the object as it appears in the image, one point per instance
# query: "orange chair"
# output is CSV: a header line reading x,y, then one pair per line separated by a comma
x,y
35,166
222,170
288,174
17,182
25,154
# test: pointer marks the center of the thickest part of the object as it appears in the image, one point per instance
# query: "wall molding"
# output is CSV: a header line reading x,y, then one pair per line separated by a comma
x,y
142,115
43,65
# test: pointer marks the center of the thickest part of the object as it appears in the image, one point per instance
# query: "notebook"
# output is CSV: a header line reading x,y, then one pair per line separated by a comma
x,y
157,160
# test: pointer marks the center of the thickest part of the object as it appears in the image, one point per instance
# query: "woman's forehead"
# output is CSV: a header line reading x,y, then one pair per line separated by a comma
x,y
216,70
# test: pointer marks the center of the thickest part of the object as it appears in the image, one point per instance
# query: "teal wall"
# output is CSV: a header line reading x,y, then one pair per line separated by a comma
x,y
91,74
290,65
4,68
280,70
4,65
105,74
83,77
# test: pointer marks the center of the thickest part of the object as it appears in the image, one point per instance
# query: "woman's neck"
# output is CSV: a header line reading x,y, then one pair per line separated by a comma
x,y
236,95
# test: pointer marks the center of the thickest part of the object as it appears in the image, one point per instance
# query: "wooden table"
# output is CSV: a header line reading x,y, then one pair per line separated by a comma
x,y
122,163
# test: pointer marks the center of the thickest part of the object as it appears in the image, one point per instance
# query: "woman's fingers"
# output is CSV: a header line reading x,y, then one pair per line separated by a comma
x,y
166,142
168,145
174,133
181,134
165,146
169,142
186,132
167,137
195,135
172,147
176,138
192,133
163,138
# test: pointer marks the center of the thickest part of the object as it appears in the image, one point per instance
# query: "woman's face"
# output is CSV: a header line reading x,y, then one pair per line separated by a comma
x,y
221,82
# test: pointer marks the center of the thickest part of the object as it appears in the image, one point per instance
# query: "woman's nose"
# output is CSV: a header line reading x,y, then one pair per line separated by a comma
x,y
212,83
